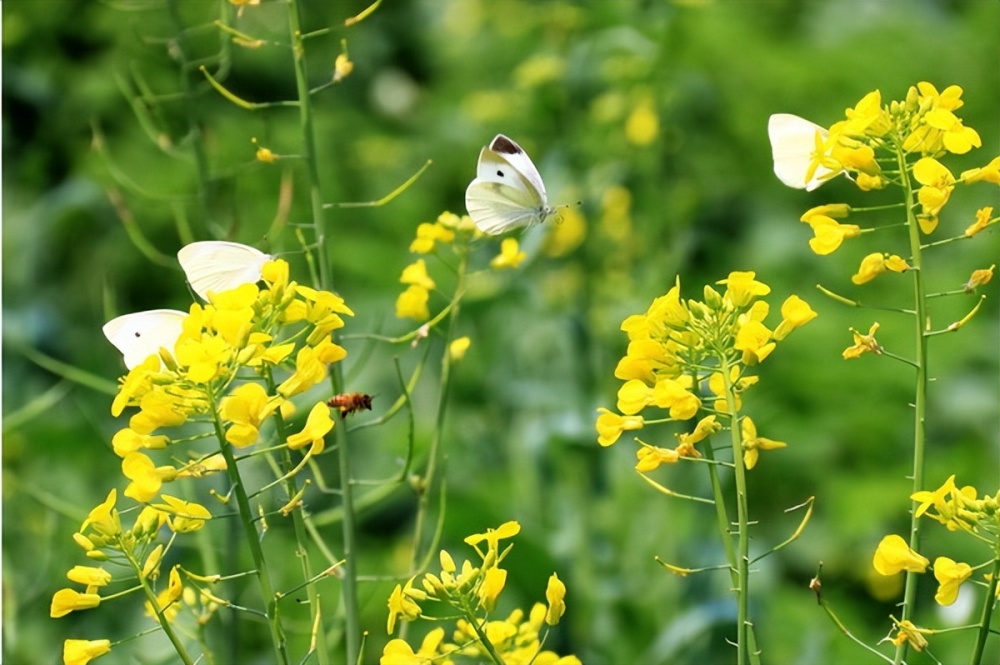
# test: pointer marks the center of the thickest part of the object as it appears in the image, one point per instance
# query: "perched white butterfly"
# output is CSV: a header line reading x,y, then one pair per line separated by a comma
x,y
142,334
793,144
507,192
216,265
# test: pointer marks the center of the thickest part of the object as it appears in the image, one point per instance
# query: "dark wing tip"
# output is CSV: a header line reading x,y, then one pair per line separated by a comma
x,y
504,145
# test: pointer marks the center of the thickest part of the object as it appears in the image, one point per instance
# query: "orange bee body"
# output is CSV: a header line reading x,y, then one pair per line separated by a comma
x,y
350,402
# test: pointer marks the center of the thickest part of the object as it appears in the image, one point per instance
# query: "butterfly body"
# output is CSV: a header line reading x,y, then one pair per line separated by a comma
x,y
507,192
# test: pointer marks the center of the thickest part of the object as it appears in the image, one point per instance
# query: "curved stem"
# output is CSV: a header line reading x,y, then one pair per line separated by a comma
x,y
920,397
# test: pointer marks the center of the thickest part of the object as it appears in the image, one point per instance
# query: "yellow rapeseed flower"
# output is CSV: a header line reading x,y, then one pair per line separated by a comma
x,y
510,255
893,556
555,594
412,304
81,652
318,424
950,575
65,601
610,426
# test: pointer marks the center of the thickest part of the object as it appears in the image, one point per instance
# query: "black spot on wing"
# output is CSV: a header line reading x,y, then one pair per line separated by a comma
x,y
505,146
500,173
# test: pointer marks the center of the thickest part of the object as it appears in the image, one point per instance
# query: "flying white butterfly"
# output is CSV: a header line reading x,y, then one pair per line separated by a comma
x,y
507,192
793,143
142,334
216,265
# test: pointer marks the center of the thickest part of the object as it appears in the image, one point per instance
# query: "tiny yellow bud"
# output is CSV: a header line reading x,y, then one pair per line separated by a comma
x,y
342,68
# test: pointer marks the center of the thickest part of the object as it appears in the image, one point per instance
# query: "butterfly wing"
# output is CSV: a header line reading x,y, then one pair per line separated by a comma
x,y
793,141
142,334
509,151
217,265
507,192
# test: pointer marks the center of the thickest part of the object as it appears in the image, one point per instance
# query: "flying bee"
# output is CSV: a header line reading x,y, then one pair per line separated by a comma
x,y
350,402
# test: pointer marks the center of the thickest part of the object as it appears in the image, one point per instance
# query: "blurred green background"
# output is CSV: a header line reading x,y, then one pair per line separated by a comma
x,y
89,151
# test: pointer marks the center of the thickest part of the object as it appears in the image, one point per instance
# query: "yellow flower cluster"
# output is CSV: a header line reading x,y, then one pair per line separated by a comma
x,y
472,591
447,230
958,509
222,368
912,133
683,350
246,329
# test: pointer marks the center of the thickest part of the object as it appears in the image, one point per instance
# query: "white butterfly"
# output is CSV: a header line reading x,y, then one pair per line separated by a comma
x,y
216,265
793,143
142,334
507,192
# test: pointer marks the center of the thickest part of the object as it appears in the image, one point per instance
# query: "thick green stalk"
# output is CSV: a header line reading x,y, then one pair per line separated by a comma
x,y
352,613
742,518
246,517
985,616
920,397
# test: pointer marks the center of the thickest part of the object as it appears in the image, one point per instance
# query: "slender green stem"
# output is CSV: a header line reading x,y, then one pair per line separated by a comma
x,y
193,126
742,517
309,141
920,397
434,455
986,615
252,538
168,629
352,612
301,538
474,621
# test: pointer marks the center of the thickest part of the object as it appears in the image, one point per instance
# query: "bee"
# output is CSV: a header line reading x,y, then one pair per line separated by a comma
x,y
350,402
